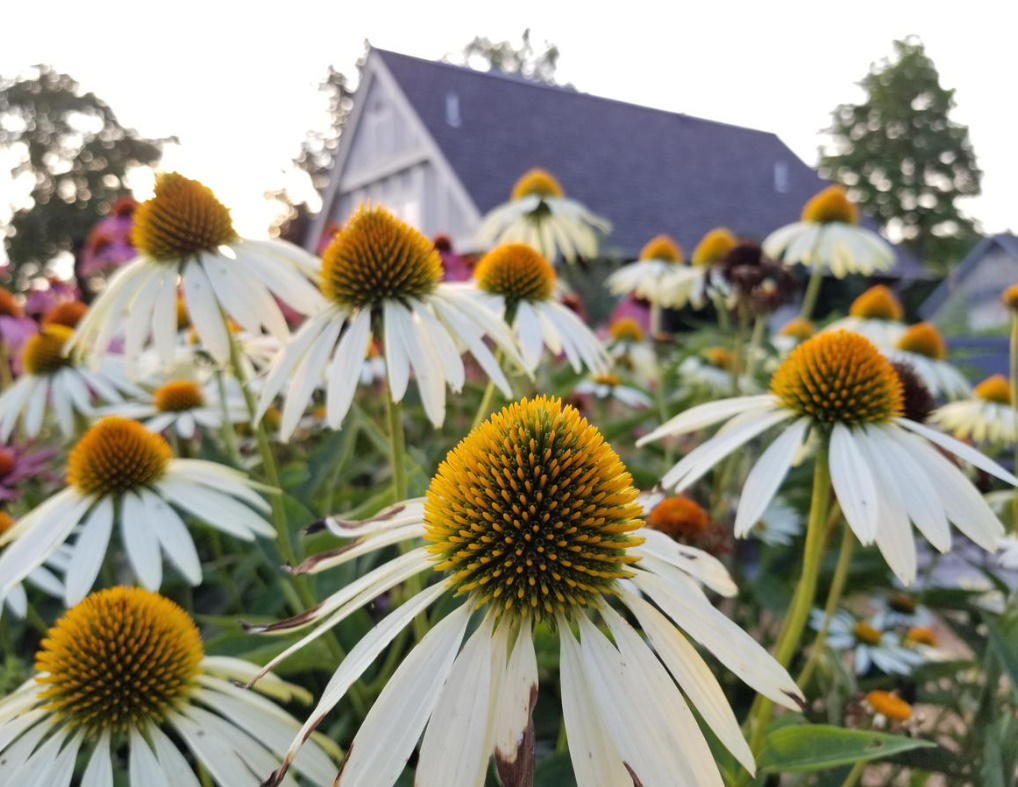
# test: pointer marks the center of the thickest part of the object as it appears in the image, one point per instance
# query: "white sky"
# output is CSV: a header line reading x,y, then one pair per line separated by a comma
x,y
236,82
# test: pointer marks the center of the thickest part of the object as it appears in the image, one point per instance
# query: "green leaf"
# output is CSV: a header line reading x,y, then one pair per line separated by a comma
x,y
1004,638
815,747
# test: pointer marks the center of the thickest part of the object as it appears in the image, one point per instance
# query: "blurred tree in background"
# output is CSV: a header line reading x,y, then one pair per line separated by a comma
x,y
508,58
75,157
904,160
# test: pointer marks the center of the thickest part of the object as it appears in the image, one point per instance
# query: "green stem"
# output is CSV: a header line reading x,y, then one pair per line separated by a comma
x,y
802,601
484,409
833,596
655,319
229,434
740,346
855,774
724,322
397,441
1014,407
809,300
753,353
305,599
6,378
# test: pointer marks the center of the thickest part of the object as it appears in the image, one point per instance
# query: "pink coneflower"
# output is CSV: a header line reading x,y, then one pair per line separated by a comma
x,y
18,463
455,267
109,242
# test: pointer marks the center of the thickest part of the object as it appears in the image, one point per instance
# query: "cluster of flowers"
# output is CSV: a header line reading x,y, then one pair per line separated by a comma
x,y
531,523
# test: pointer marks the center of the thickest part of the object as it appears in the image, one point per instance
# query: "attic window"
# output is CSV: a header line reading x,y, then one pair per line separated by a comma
x,y
781,180
452,110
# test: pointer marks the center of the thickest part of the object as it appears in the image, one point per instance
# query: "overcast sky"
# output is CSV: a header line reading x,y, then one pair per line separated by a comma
x,y
238,85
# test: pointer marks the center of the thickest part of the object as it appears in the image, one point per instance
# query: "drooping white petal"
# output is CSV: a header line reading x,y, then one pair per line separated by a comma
x,y
695,562
140,541
894,535
461,718
342,372
170,759
959,449
395,722
517,700
174,537
204,312
705,415
89,552
307,376
99,772
142,765
765,478
854,484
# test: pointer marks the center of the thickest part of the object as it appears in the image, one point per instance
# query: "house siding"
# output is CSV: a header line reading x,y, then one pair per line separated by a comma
x,y
973,304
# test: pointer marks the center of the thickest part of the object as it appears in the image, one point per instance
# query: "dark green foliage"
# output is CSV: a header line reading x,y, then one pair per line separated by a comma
x,y
904,160
507,58
78,154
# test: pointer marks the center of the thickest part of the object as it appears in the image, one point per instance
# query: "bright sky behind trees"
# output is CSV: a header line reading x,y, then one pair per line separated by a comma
x,y
237,82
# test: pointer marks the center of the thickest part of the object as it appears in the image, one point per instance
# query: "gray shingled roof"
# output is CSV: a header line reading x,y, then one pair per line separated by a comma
x,y
646,170
1005,240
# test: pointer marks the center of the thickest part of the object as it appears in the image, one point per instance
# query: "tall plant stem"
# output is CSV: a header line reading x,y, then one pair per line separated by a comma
x,y
397,442
740,346
655,319
1014,406
833,596
809,300
304,597
753,353
229,435
484,409
802,601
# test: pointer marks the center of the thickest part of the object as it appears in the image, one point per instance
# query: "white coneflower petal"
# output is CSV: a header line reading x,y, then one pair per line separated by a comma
x,y
89,553
512,725
765,478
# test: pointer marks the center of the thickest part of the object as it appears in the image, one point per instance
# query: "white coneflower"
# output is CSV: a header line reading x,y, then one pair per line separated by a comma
x,y
886,470
183,405
517,283
539,214
922,347
876,314
870,645
829,236
185,235
119,473
53,379
533,518
124,668
380,274
987,417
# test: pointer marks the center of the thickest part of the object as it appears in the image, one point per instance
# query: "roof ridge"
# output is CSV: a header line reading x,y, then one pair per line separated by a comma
x,y
516,80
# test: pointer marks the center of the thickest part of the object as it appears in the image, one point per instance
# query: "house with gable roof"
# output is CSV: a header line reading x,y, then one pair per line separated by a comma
x,y
441,145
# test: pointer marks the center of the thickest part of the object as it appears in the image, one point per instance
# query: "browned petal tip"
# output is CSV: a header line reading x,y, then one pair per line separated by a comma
x,y
282,625
797,699
315,527
310,563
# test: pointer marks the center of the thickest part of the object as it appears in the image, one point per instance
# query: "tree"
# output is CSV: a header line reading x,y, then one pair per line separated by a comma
x,y
904,160
508,58
76,155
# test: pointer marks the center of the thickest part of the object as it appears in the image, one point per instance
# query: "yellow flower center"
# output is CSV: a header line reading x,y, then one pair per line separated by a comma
x,y
718,357
44,353
626,330
900,602
119,660
1010,298
994,389
9,306
887,704
661,248
183,318
533,512
182,219
680,518
877,303
839,377
923,339
829,206
115,456
864,632
537,181
517,271
798,329
921,635
6,463
177,396
377,257
713,246
67,313
607,379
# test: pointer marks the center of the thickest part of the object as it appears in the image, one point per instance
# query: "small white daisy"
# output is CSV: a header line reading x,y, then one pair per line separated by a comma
x,y
886,470
609,386
658,276
121,673
922,348
696,283
870,645
54,380
625,717
120,473
380,274
517,283
629,348
540,215
1008,557
185,234
183,405
709,373
899,609
779,524
987,417
876,314
829,236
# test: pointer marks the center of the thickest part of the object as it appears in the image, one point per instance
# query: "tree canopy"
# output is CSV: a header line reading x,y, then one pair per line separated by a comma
x,y
510,58
904,160
76,156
